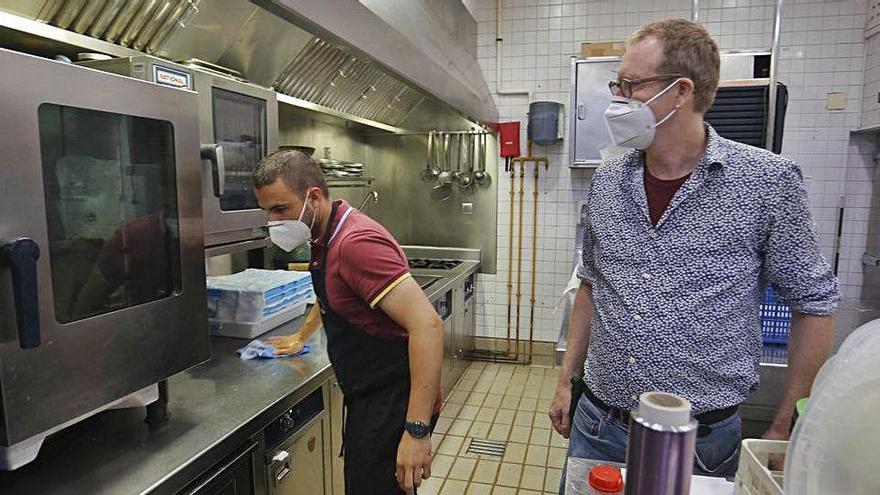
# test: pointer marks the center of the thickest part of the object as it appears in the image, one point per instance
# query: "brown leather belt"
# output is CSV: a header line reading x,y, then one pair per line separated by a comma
x,y
705,419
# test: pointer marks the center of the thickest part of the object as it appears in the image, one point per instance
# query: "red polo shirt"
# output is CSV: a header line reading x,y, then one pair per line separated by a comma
x,y
364,263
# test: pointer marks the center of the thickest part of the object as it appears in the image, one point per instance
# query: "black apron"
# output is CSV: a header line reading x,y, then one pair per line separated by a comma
x,y
373,374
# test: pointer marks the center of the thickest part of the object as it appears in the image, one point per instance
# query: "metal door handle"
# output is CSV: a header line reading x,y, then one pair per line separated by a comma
x,y
282,458
214,153
581,111
21,256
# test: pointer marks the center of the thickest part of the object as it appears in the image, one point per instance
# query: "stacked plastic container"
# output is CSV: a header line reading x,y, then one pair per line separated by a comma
x,y
252,302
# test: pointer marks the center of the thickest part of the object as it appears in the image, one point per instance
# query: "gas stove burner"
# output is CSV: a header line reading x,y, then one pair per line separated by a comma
x,y
433,264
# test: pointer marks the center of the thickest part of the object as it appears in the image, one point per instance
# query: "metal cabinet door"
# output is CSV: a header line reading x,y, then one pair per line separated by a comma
x,y
590,98
337,479
303,471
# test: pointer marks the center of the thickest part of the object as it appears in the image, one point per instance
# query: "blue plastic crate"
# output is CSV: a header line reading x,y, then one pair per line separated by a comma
x,y
775,318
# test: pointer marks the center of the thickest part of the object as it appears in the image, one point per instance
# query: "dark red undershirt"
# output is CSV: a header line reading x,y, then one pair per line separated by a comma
x,y
659,193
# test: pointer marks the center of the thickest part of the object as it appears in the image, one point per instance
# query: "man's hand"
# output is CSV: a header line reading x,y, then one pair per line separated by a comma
x,y
559,409
287,344
413,461
776,462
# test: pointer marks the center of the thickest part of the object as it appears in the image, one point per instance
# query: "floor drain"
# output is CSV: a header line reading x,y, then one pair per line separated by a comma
x,y
486,447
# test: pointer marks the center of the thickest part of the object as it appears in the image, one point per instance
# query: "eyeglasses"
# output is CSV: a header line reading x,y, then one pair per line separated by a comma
x,y
624,86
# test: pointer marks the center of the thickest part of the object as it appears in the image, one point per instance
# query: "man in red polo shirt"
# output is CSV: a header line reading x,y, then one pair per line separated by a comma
x,y
384,338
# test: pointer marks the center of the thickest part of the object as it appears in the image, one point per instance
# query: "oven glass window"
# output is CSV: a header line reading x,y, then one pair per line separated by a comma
x,y
111,208
240,128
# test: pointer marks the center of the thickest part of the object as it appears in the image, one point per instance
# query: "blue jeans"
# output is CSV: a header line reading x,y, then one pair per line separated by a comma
x,y
595,434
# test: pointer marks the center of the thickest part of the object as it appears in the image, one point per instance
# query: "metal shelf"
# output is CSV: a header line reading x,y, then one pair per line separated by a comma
x,y
350,182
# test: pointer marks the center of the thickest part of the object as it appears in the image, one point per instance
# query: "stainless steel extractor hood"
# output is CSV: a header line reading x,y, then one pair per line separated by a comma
x,y
263,41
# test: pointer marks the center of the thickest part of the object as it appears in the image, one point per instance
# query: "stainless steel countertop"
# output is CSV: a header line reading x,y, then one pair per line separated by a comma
x,y
448,278
215,407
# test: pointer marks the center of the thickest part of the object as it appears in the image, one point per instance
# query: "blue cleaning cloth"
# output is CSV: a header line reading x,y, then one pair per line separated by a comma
x,y
259,349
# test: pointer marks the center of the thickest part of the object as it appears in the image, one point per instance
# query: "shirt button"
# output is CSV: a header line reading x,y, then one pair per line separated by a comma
x,y
637,318
632,360
634,397
646,276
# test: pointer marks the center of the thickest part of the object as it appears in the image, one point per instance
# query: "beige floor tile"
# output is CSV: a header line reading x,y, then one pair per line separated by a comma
x,y
468,412
540,436
556,457
472,374
543,404
505,416
510,402
440,465
493,400
450,410
542,420
480,430
477,365
477,489
460,428
476,399
520,434
536,455
486,414
551,482
528,404
522,491
436,440
458,396
486,472
443,425
532,478
547,392
515,452
450,445
524,418
557,440
462,469
531,392
431,486
509,474
499,432
498,388
482,387
453,487
535,381
515,388
503,490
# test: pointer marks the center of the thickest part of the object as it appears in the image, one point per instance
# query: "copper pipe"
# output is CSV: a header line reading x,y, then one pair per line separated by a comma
x,y
510,256
522,174
523,160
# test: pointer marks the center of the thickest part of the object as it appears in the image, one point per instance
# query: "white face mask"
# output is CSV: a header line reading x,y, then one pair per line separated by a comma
x,y
290,234
632,123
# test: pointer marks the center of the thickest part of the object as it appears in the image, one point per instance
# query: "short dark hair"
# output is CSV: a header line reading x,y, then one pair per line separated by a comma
x,y
299,171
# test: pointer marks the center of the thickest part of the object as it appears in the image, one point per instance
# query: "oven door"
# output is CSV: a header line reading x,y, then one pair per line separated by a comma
x,y
241,120
102,275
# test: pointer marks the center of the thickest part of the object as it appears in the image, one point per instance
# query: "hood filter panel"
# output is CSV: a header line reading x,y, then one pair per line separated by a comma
x,y
329,76
137,24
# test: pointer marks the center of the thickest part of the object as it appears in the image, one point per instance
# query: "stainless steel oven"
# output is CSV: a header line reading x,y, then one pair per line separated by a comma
x,y
238,126
102,275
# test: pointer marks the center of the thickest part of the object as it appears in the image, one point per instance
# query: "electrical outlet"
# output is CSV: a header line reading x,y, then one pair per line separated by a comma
x,y
467,208
872,25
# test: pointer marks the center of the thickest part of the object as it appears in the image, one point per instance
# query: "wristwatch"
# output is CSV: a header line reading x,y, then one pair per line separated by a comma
x,y
417,429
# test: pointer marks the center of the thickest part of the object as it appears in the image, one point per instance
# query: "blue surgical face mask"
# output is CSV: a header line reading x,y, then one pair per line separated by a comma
x,y
632,123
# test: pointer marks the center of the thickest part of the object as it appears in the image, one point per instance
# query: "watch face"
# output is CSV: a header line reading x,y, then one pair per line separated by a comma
x,y
417,429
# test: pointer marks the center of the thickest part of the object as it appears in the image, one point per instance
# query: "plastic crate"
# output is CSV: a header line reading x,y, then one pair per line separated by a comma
x,y
775,318
753,477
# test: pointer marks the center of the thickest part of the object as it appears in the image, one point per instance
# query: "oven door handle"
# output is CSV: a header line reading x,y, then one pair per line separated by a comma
x,y
214,153
21,256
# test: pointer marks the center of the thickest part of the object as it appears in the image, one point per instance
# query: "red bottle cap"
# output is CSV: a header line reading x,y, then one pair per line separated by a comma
x,y
606,479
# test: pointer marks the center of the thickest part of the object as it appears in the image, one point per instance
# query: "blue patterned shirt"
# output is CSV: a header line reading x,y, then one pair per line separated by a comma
x,y
678,305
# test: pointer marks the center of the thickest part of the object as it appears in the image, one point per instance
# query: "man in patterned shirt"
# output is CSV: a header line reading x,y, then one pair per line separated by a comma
x,y
682,233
